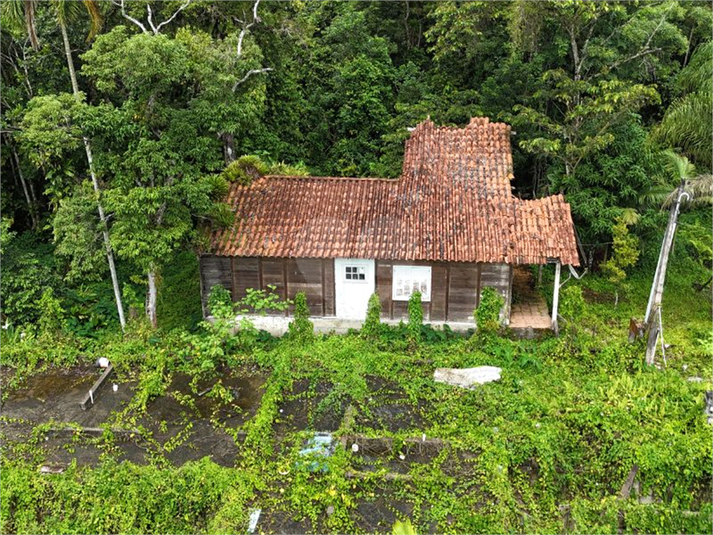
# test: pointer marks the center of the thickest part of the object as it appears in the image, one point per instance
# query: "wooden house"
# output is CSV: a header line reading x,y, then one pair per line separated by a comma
x,y
448,227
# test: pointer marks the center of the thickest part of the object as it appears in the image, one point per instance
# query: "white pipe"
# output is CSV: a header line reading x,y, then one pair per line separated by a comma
x,y
556,297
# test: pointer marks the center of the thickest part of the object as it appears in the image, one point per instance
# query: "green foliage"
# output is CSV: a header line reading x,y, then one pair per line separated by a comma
x,y
403,527
179,302
572,309
52,316
415,318
29,268
487,314
625,254
220,303
77,235
688,122
301,329
245,169
372,327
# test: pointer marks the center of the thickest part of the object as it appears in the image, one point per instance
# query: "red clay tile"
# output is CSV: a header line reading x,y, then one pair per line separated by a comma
x,y
452,203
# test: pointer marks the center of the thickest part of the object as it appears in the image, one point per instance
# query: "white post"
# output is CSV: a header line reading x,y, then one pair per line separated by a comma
x,y
556,297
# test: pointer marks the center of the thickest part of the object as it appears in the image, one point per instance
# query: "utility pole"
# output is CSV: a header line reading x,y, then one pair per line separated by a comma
x,y
652,322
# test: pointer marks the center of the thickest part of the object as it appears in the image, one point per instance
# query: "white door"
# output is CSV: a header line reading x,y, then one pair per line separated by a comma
x,y
354,282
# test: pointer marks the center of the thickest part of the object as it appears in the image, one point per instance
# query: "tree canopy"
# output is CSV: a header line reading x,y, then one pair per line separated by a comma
x,y
168,94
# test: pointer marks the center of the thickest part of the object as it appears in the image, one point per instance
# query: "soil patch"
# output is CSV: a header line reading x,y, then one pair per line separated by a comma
x,y
388,408
317,406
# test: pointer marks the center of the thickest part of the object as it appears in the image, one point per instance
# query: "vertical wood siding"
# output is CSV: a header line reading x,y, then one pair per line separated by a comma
x,y
214,270
455,287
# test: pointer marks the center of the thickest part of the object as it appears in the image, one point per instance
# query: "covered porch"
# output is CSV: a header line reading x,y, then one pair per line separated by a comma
x,y
529,314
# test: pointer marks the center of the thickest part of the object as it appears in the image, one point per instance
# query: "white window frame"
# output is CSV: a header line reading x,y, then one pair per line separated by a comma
x,y
359,270
403,277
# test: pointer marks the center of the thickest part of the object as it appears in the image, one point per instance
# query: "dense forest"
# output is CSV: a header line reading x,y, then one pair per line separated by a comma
x,y
123,124
607,101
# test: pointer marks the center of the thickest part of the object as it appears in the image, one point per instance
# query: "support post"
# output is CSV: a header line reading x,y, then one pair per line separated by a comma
x,y
653,336
656,295
556,297
660,276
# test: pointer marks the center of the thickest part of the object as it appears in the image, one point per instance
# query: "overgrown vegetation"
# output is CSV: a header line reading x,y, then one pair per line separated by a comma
x,y
611,102
487,314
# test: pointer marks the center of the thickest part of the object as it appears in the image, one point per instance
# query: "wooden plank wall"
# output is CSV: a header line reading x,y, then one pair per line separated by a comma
x,y
305,275
463,291
214,270
314,277
435,310
455,287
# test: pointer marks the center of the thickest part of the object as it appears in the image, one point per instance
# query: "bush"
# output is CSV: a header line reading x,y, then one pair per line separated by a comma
x,y
372,326
245,169
301,329
220,303
52,317
487,315
415,317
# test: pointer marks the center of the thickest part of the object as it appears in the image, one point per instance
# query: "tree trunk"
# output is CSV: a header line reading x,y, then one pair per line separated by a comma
x,y
656,295
31,202
95,184
228,148
151,298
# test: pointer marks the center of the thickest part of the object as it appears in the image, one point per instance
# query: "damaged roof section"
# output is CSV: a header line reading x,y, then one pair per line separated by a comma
x,y
452,203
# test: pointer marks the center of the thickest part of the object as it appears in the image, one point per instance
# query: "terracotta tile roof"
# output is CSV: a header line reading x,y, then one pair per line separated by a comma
x,y
452,203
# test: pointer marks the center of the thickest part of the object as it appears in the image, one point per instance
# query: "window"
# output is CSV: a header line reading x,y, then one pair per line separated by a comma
x,y
410,279
355,273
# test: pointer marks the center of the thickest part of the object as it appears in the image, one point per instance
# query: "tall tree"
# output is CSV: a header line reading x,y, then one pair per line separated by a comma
x,y
66,11
167,100
688,122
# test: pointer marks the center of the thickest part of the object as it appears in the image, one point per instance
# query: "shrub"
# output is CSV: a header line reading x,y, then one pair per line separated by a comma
x,y
372,326
415,317
301,329
52,316
245,169
487,315
220,303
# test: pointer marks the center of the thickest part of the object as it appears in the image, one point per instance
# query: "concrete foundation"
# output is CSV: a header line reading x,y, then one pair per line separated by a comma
x,y
278,325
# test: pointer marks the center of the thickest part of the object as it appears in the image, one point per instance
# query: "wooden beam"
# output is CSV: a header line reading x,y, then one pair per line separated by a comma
x,y
284,282
233,279
556,297
448,288
91,396
324,300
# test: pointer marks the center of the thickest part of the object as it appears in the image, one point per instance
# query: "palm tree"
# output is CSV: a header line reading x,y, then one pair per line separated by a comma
x,y
693,189
699,187
65,11
688,122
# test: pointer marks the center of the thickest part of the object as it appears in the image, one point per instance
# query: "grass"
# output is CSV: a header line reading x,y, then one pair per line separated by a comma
x,y
545,449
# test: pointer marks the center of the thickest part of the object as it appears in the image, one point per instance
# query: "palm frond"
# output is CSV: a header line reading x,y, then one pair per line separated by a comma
x,y
629,216
95,18
699,189
696,76
678,166
12,14
30,23
688,124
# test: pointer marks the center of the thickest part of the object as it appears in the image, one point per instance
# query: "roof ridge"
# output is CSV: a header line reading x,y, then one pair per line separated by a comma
x,y
297,177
